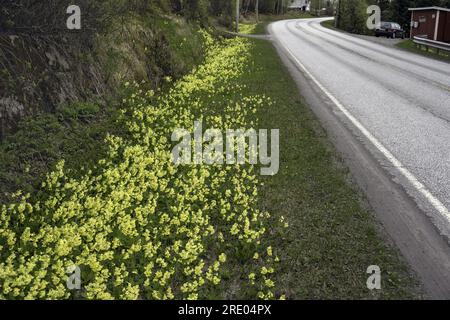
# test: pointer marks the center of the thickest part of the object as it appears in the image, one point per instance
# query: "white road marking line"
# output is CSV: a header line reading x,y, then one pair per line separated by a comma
x,y
435,202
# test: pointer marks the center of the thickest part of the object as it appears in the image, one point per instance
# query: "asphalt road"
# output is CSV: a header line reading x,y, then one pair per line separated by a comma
x,y
397,105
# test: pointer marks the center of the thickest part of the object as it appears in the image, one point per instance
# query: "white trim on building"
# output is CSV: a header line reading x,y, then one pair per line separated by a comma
x,y
430,8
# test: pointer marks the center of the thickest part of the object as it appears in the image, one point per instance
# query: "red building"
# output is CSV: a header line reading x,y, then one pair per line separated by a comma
x,y
432,22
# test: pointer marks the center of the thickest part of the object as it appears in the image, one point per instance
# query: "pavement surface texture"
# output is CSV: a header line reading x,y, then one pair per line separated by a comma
x,y
388,113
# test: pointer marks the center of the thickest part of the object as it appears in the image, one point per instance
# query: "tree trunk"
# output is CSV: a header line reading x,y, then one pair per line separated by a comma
x,y
237,16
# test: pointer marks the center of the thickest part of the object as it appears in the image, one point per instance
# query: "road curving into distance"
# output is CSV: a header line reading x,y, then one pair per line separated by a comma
x,y
396,106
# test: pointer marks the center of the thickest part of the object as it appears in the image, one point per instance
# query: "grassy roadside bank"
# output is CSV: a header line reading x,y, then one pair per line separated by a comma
x,y
138,225
330,25
332,238
149,48
410,46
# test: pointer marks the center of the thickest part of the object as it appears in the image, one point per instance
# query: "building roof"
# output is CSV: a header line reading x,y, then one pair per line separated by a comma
x,y
429,8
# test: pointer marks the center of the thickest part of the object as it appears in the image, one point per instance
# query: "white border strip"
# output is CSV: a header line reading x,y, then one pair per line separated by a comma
x,y
435,202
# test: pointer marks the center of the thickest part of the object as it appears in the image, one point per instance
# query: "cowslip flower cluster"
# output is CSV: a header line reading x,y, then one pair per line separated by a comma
x,y
137,225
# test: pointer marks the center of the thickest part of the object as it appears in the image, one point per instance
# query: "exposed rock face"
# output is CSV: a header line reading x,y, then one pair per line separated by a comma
x,y
41,72
10,109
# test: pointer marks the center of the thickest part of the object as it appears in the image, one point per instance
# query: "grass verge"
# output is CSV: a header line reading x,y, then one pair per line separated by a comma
x,y
329,24
410,46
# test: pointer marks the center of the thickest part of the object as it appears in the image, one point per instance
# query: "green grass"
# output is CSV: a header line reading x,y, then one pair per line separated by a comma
x,y
430,53
329,24
74,132
184,40
332,239
149,47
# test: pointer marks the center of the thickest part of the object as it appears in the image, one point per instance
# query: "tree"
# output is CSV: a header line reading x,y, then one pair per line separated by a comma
x,y
353,16
257,10
400,13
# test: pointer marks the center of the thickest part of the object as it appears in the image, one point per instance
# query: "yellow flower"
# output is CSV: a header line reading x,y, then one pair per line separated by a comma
x,y
222,258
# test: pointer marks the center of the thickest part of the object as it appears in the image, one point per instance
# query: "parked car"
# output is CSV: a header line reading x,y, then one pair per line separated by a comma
x,y
391,30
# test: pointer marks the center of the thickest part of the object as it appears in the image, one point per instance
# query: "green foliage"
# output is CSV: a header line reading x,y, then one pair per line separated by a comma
x,y
353,16
139,226
149,48
399,12
79,111
74,132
